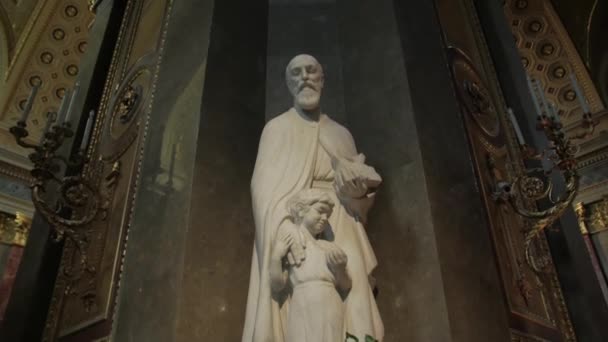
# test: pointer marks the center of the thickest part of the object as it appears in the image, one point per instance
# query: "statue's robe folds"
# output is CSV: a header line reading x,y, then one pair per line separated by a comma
x,y
294,154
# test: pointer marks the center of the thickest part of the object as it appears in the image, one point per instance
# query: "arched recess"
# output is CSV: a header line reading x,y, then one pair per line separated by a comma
x,y
5,45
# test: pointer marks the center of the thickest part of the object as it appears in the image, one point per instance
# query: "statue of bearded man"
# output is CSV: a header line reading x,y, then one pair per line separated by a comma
x,y
303,148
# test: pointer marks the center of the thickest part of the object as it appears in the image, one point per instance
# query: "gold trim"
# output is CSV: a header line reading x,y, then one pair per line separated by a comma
x,y
579,209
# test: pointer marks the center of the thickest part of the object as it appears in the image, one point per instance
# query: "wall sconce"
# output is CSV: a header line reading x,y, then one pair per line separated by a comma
x,y
535,184
78,198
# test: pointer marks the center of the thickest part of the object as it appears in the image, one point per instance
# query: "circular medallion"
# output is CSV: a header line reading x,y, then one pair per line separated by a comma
x,y
71,11
82,46
60,92
35,80
46,57
532,187
473,93
71,70
125,109
58,34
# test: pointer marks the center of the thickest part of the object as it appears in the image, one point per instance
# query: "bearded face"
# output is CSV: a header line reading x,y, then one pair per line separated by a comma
x,y
305,81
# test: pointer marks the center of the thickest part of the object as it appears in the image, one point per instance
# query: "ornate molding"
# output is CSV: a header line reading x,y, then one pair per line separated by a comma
x,y
596,157
15,172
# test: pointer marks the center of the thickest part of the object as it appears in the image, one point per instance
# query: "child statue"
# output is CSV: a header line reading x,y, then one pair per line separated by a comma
x,y
319,284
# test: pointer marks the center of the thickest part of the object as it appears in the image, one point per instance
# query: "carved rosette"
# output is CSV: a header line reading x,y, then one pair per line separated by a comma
x,y
473,93
122,128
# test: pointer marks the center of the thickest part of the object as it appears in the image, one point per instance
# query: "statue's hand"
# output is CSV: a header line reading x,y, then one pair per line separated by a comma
x,y
347,182
354,179
296,253
282,245
336,259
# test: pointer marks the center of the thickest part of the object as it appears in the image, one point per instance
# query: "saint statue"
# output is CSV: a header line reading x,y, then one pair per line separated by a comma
x,y
304,149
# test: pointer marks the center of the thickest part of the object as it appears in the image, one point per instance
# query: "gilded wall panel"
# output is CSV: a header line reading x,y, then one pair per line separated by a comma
x,y
534,298
84,298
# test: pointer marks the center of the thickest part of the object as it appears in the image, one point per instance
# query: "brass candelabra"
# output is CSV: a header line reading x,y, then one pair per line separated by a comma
x,y
78,202
535,184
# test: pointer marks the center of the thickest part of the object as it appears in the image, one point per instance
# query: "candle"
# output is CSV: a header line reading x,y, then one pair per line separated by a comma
x,y
30,102
49,121
172,164
87,131
534,96
579,94
543,99
554,112
520,136
62,106
72,99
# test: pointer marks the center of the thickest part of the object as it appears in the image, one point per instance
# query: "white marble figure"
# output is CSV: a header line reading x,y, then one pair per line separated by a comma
x,y
303,149
316,287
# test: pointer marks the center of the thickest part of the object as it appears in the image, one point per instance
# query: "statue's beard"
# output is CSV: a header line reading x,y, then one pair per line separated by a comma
x,y
308,98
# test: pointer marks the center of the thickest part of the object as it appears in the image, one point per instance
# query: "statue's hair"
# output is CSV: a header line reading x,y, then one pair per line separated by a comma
x,y
306,198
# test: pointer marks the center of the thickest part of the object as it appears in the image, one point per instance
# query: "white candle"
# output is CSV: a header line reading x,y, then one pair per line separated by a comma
x,y
87,131
172,164
534,96
49,121
30,102
72,99
543,99
579,94
554,112
62,106
520,136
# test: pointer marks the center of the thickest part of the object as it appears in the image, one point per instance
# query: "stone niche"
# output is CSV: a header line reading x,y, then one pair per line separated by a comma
x,y
376,86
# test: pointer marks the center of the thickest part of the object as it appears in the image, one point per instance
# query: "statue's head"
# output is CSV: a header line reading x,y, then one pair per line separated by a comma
x,y
304,76
311,208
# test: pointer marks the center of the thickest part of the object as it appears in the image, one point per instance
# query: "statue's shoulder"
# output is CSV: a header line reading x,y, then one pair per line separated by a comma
x,y
335,127
280,121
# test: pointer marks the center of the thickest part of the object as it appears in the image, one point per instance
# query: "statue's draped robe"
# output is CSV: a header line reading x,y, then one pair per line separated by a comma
x,y
294,154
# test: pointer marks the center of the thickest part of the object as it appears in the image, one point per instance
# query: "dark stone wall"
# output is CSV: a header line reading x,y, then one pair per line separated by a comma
x,y
150,289
380,116
219,244
437,277
303,26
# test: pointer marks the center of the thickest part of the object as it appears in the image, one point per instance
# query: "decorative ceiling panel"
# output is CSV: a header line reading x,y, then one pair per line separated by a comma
x,y
549,56
47,53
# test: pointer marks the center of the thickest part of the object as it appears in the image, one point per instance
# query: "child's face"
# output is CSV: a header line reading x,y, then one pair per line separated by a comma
x,y
315,218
